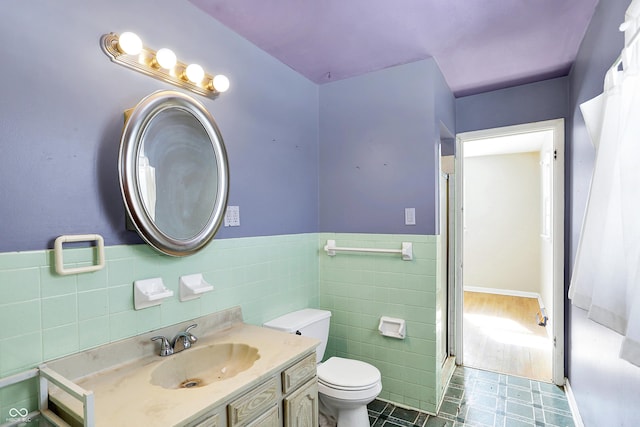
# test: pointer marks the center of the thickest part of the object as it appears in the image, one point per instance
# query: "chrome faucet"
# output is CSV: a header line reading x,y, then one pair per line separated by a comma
x,y
181,341
165,347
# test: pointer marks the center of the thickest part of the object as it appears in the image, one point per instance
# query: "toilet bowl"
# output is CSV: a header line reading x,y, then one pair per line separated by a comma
x,y
345,386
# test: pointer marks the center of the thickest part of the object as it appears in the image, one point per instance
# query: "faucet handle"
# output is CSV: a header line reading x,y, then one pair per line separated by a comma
x,y
192,338
165,346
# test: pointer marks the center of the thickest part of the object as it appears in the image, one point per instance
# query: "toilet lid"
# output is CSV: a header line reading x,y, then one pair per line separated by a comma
x,y
348,374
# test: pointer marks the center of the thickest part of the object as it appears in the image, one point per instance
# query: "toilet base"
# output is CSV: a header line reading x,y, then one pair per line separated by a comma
x,y
346,415
356,417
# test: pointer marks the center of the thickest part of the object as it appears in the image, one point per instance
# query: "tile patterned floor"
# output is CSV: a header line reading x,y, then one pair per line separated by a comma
x,y
478,398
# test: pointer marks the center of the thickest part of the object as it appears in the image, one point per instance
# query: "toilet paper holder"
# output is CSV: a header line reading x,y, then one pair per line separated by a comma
x,y
392,327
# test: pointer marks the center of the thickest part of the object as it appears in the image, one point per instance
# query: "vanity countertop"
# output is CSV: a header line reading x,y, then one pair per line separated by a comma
x,y
125,396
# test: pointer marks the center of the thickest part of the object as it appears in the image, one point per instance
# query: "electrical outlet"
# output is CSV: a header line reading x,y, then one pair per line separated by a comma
x,y
232,216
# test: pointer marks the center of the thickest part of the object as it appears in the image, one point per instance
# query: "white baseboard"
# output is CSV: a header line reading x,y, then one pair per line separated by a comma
x,y
509,292
573,405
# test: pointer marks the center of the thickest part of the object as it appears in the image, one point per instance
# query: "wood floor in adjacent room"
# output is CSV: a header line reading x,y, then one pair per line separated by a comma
x,y
501,334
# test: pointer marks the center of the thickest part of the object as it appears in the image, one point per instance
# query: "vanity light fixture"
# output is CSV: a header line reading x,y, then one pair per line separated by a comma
x,y
129,43
194,73
220,83
165,58
127,49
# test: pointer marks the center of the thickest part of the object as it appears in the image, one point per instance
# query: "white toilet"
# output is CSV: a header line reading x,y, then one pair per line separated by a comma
x,y
345,386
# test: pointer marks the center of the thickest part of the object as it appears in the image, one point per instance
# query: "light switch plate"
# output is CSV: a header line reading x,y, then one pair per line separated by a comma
x,y
409,216
232,216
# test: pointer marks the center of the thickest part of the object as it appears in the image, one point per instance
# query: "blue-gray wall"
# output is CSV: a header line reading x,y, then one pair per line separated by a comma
x,y
606,388
528,103
379,135
61,117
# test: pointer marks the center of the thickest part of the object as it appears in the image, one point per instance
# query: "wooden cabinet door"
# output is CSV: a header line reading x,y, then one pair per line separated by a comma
x,y
301,407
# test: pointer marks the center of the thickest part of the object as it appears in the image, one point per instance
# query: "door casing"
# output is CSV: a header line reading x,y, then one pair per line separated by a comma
x,y
456,324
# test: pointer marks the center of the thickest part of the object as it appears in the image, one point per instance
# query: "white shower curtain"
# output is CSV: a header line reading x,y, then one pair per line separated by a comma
x,y
606,274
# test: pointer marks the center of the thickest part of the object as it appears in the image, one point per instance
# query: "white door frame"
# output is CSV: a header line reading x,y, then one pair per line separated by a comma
x,y
557,126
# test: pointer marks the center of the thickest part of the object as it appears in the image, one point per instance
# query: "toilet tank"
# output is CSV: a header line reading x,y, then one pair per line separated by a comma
x,y
309,322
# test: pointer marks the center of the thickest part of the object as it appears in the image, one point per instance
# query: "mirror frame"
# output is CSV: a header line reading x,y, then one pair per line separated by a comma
x,y
137,121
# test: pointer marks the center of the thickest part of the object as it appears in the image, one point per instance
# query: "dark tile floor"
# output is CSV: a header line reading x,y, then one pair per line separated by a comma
x,y
478,398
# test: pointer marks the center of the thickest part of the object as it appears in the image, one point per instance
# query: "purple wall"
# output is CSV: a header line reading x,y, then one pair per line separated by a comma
x,y
378,140
62,113
528,103
606,388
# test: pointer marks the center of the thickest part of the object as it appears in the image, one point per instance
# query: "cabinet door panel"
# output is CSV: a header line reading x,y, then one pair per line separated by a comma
x,y
301,408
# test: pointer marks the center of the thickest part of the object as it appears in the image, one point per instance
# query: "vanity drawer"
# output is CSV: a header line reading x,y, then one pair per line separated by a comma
x,y
247,407
299,373
213,418
212,421
271,418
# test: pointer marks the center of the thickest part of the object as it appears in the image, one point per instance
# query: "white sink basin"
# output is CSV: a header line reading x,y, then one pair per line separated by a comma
x,y
198,367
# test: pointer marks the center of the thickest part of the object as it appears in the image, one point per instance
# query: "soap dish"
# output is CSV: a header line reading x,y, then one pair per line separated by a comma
x,y
192,286
149,292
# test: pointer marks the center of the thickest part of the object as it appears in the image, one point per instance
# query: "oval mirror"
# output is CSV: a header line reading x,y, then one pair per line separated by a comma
x,y
174,173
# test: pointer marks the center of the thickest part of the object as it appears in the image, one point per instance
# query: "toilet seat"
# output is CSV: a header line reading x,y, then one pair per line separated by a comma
x,y
347,375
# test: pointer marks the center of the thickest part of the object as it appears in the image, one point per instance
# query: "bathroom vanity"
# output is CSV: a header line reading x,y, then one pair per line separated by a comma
x,y
234,375
291,397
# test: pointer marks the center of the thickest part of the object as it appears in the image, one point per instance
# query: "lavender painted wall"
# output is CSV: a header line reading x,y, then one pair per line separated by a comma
x,y
62,113
605,387
528,103
378,141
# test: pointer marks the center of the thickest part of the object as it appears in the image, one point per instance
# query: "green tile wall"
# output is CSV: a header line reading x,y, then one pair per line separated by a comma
x,y
360,288
44,316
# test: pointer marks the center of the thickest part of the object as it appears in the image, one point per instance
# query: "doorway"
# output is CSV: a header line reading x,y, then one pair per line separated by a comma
x,y
514,259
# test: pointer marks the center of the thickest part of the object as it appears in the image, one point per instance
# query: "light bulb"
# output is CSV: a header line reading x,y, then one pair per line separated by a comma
x,y
220,83
166,58
129,43
195,73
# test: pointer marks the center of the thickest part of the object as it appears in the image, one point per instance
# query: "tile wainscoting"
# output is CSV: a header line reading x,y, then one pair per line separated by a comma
x,y
359,288
44,315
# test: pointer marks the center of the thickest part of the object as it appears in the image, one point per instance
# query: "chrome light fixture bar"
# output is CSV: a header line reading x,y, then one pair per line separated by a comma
x,y
127,50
